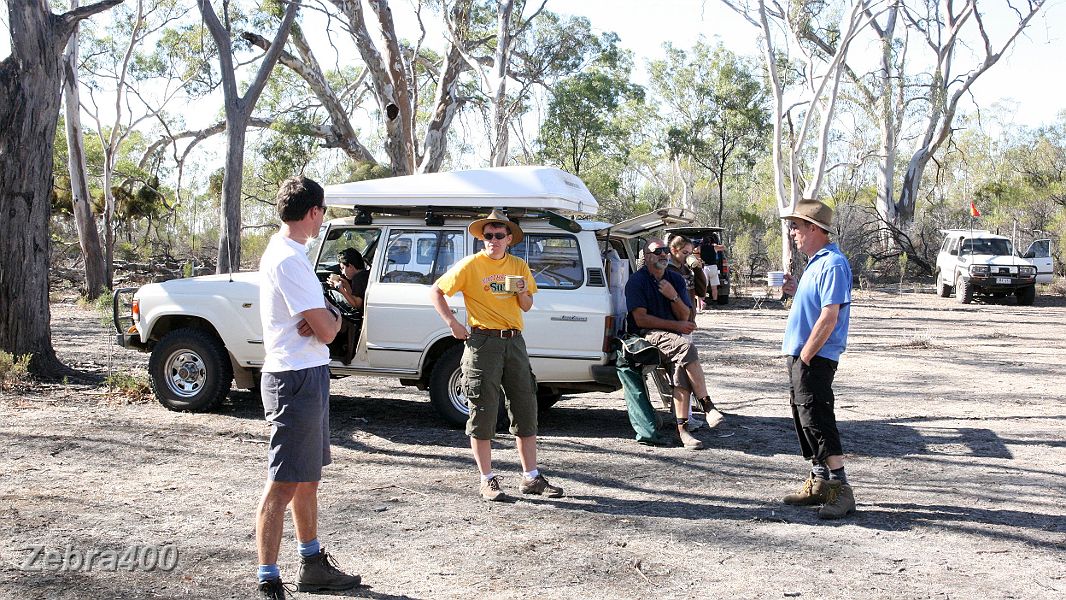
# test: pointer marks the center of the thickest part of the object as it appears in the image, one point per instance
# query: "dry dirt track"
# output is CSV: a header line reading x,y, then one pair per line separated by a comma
x,y
954,419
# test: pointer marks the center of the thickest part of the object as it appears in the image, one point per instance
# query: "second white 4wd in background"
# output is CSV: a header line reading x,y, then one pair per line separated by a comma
x,y
973,262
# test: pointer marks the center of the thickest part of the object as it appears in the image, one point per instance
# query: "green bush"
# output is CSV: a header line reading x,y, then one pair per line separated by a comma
x,y
132,387
14,371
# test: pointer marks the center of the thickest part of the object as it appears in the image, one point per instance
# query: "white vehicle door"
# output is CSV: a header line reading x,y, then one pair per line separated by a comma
x,y
566,325
400,319
1039,253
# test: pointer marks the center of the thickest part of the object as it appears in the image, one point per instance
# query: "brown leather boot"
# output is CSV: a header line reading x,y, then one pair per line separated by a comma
x,y
813,492
839,501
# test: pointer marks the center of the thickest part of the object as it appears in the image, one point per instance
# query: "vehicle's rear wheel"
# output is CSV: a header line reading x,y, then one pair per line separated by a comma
x,y
547,399
942,288
1026,295
189,370
446,390
963,290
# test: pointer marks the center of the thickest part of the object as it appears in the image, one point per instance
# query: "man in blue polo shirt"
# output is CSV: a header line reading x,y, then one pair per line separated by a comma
x,y
815,337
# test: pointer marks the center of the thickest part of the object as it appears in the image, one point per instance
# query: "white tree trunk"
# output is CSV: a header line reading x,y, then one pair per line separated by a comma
x,y
88,237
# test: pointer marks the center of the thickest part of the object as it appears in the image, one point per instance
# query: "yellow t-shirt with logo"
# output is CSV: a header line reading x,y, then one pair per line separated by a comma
x,y
481,280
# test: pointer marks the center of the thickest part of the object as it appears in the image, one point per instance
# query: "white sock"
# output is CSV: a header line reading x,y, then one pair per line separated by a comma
x,y
488,477
531,474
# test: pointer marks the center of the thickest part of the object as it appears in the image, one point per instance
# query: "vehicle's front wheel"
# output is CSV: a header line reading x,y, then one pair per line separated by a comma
x,y
942,288
963,290
1026,295
189,370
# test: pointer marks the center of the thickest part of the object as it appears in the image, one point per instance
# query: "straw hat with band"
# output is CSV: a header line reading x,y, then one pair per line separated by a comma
x,y
496,217
813,211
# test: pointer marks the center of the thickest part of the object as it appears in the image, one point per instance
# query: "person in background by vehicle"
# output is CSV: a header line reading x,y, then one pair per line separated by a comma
x,y
660,311
351,283
709,247
297,325
495,357
680,251
815,337
699,278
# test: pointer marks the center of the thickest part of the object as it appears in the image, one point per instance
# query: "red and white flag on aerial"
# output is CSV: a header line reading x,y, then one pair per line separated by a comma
x,y
973,210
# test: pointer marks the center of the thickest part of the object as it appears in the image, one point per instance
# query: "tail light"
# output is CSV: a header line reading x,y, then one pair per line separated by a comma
x,y
135,309
608,333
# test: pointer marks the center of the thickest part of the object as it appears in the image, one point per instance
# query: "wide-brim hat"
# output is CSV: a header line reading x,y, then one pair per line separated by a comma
x,y
498,217
813,211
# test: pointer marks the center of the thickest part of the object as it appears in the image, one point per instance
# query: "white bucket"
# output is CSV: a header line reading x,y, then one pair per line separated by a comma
x,y
775,278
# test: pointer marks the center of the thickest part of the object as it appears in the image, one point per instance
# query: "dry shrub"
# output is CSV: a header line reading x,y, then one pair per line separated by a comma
x,y
14,371
129,388
1057,287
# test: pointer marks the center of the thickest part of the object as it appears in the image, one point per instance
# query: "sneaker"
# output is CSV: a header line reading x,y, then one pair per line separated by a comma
x,y
813,492
274,589
688,440
695,421
490,490
839,501
319,573
540,486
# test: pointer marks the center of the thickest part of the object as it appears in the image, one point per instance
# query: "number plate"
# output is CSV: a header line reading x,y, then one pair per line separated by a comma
x,y
1004,280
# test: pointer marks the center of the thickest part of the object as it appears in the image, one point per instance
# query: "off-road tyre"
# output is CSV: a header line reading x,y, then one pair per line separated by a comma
x,y
189,371
1026,295
942,288
963,290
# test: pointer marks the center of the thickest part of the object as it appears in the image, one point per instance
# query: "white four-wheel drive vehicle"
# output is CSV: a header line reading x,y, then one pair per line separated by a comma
x,y
972,262
205,332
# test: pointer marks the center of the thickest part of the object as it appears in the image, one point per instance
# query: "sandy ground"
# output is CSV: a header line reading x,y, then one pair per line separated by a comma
x,y
953,417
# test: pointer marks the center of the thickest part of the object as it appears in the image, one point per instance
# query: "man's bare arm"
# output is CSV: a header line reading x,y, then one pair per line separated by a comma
x,y
323,323
821,331
646,321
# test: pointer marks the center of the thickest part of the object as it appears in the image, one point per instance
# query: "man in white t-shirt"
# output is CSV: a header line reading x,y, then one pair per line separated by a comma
x,y
297,325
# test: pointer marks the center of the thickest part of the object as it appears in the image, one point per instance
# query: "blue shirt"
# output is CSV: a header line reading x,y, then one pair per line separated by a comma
x,y
826,281
642,291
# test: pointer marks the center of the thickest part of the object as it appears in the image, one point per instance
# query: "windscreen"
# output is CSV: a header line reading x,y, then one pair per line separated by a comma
x,y
994,247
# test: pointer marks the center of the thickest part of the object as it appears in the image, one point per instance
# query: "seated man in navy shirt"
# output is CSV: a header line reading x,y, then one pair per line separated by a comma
x,y
659,310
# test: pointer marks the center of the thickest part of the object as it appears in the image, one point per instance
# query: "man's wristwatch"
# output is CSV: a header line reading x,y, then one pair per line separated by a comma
x,y
675,299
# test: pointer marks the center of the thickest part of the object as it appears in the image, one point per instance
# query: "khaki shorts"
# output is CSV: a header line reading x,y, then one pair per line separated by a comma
x,y
491,364
678,350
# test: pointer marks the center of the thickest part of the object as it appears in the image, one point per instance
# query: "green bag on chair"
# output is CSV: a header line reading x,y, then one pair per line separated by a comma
x,y
641,414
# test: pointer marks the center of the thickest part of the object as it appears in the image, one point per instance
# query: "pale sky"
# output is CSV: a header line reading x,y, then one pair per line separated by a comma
x,y
1029,75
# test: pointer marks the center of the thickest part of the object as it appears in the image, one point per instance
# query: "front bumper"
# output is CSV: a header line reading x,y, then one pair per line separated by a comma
x,y
1001,283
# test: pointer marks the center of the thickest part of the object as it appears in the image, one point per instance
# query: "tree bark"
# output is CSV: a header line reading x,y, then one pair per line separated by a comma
x,y
88,237
30,82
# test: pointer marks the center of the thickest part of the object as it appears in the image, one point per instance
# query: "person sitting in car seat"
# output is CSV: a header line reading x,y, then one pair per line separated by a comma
x,y
351,283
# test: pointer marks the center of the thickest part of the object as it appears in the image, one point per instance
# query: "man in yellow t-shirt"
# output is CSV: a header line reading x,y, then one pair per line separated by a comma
x,y
497,288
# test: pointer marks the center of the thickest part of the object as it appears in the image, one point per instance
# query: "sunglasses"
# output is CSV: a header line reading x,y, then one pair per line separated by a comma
x,y
496,236
658,251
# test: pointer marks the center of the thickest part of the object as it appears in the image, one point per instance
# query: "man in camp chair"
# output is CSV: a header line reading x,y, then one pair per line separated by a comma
x,y
659,310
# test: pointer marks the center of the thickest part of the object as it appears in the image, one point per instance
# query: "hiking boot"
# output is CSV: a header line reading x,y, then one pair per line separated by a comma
x,y
813,492
319,573
273,589
688,440
490,490
839,501
540,486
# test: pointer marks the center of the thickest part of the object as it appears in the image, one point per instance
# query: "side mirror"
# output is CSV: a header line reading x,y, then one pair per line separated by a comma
x,y
953,252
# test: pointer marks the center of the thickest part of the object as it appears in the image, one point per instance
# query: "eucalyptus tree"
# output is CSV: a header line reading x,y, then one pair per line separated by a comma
x,y
717,118
238,109
30,82
96,278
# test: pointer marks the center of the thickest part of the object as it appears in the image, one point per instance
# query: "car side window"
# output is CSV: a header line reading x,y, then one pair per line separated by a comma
x,y
420,255
554,259
340,238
